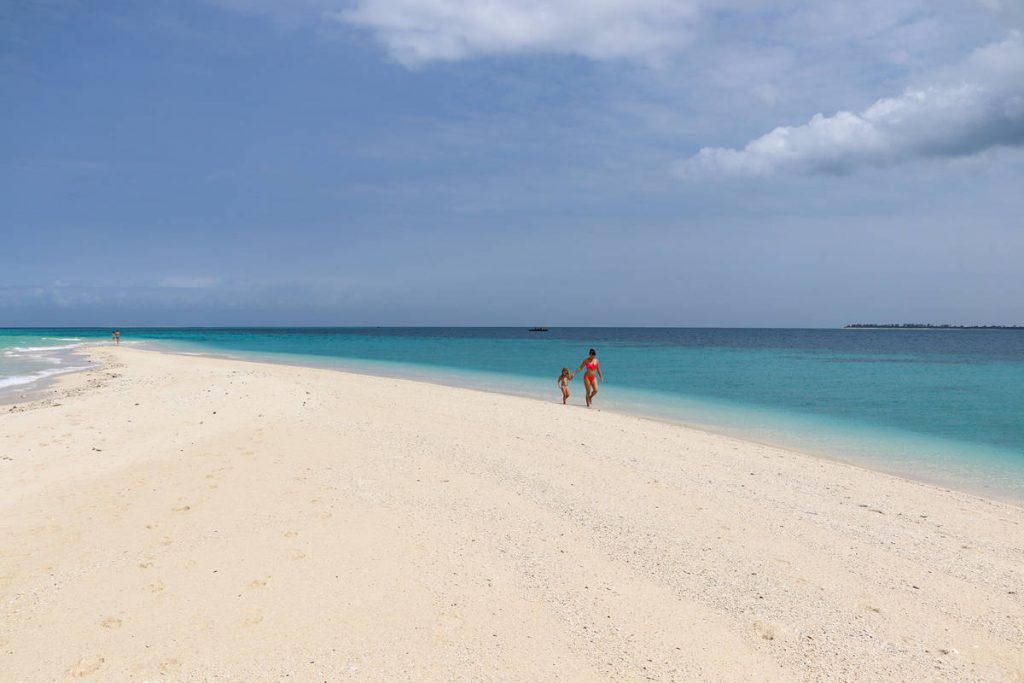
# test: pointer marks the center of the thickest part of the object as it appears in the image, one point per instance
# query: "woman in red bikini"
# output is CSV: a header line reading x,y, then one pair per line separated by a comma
x,y
590,376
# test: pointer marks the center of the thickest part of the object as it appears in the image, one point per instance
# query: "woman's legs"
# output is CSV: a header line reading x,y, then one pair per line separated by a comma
x,y
590,384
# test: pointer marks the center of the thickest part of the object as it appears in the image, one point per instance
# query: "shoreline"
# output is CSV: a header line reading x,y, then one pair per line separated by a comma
x,y
38,388
206,518
695,426
938,482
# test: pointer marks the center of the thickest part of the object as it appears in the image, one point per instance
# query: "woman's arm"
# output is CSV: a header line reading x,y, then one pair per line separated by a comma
x,y
600,374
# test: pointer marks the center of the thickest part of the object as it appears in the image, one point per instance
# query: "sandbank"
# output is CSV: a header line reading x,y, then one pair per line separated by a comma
x,y
184,518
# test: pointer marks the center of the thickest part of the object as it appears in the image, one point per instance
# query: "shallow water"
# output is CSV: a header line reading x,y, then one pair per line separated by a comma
x,y
28,358
940,405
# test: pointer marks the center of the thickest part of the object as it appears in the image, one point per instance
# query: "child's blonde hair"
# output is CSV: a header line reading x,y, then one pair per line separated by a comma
x,y
565,371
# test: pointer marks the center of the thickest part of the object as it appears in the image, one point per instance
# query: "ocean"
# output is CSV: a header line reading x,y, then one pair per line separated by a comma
x,y
943,406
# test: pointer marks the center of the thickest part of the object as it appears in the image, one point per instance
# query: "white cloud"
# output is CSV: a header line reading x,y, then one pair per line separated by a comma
x,y
416,32
420,31
964,111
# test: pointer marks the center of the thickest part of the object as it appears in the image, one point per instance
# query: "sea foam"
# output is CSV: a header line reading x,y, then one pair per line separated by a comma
x,y
19,380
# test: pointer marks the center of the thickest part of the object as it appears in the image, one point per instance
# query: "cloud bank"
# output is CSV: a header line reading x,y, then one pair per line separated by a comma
x,y
967,110
419,31
189,281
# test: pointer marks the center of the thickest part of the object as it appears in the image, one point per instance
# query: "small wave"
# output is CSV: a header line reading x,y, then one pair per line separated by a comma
x,y
36,349
62,338
18,380
35,357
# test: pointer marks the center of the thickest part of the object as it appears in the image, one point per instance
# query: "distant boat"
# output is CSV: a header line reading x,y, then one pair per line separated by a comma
x,y
537,329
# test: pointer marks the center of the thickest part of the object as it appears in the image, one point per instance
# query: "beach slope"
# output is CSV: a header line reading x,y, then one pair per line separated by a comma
x,y
184,518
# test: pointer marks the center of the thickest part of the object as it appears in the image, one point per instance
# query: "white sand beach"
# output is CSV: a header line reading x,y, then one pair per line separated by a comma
x,y
181,518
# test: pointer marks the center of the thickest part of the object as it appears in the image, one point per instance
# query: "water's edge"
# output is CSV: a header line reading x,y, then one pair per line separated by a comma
x,y
947,461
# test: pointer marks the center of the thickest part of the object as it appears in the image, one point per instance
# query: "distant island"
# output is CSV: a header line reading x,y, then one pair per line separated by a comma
x,y
927,326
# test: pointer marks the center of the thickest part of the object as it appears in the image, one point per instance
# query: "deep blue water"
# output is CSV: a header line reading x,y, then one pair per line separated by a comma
x,y
941,405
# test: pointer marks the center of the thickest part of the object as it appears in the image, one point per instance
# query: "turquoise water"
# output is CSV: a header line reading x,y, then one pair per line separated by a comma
x,y
943,406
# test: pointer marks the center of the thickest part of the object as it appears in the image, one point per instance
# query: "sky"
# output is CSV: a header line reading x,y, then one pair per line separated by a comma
x,y
511,162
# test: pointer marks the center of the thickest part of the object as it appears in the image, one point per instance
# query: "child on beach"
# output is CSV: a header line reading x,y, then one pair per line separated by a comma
x,y
563,383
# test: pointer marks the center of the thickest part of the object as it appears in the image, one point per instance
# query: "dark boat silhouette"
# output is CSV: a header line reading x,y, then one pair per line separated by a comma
x,y
537,329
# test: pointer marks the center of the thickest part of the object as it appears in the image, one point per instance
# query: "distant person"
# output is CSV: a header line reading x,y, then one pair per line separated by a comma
x,y
563,384
593,371
116,336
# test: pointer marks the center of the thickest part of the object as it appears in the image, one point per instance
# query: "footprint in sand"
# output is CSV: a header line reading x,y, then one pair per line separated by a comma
x,y
183,508
145,565
257,583
86,666
170,666
156,587
166,540
254,617
766,631
298,555
291,534
111,622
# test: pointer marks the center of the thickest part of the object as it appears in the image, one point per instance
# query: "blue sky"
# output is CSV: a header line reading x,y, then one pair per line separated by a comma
x,y
607,162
